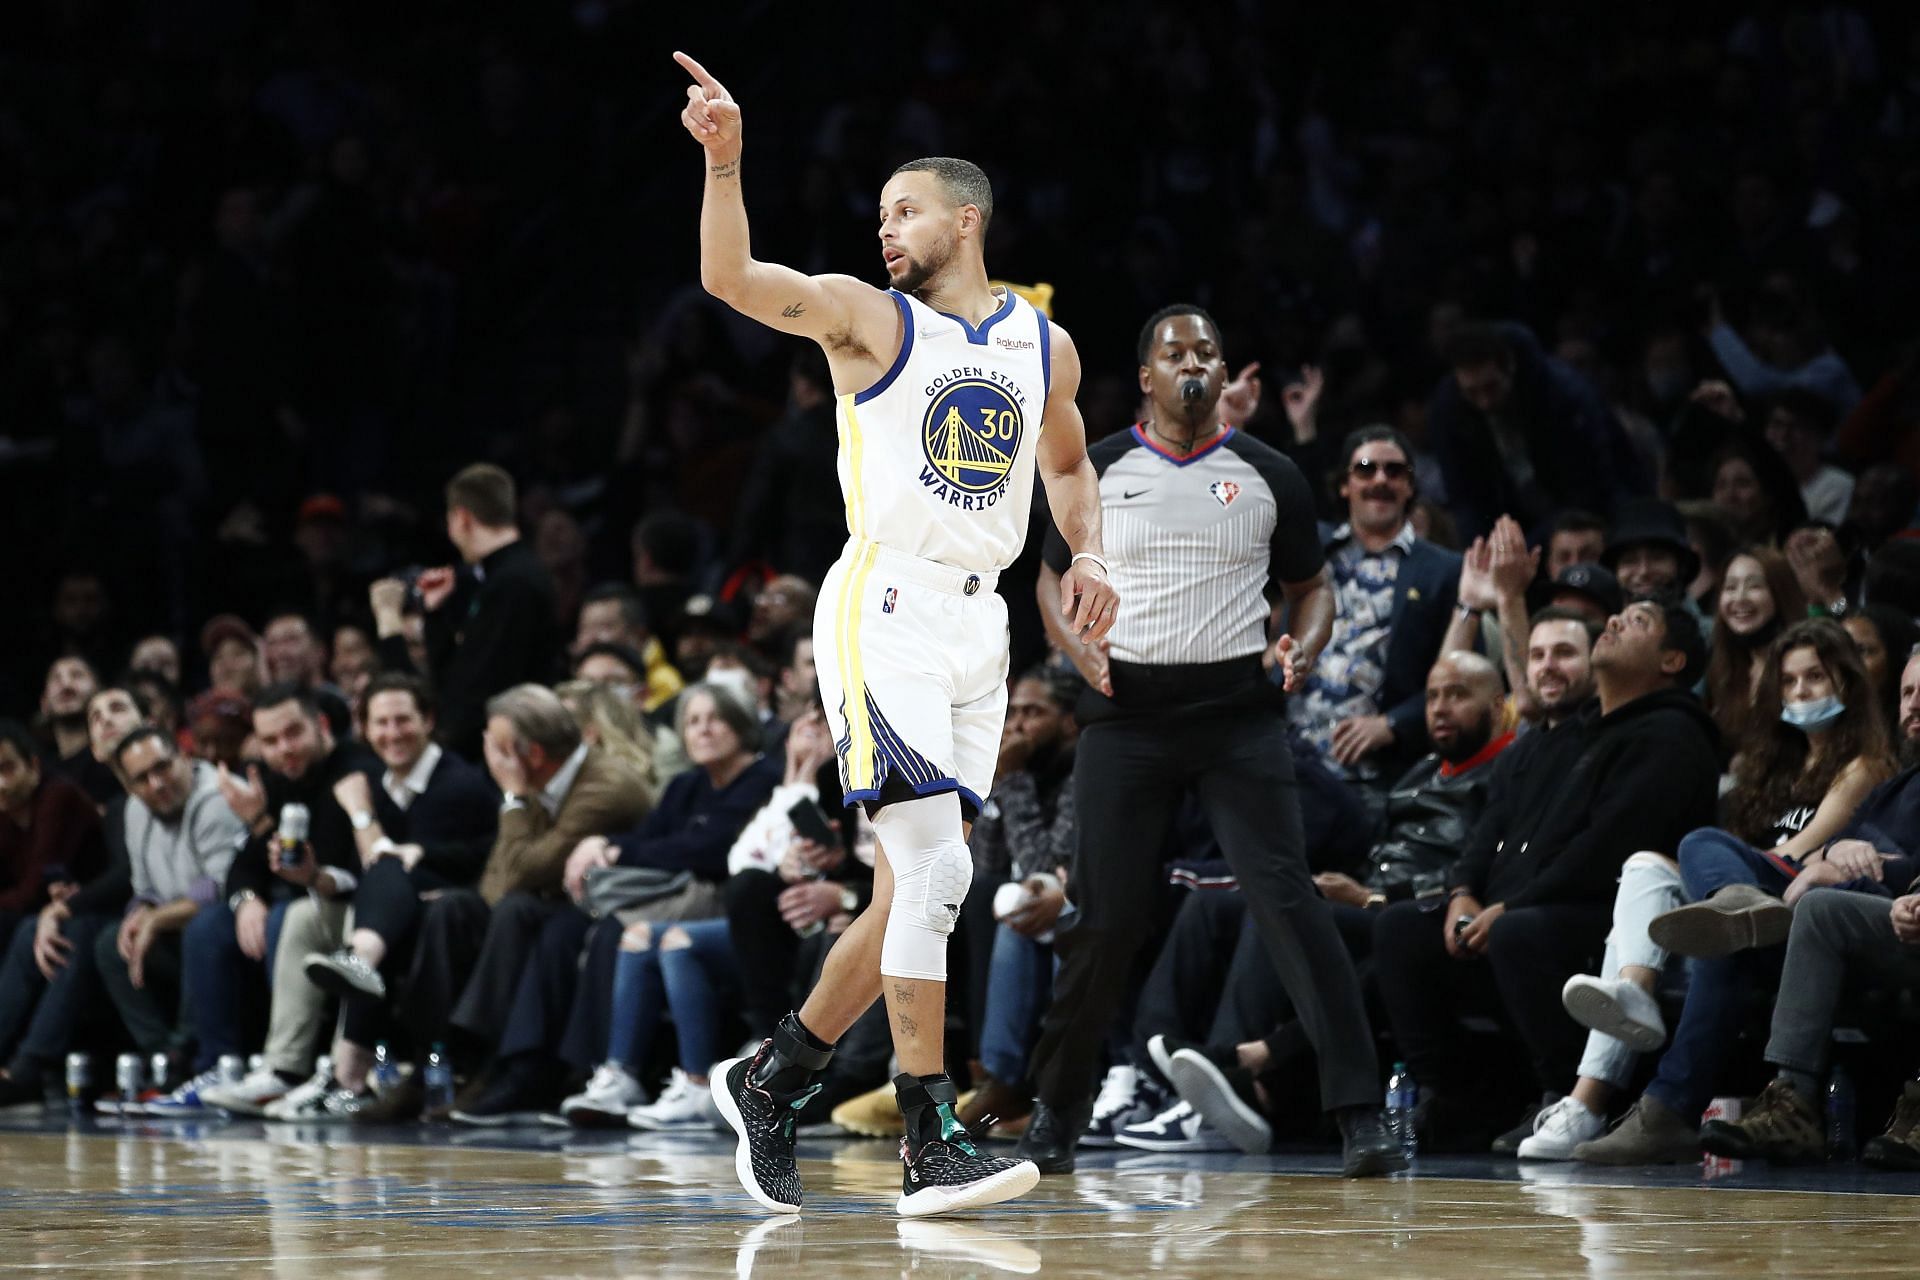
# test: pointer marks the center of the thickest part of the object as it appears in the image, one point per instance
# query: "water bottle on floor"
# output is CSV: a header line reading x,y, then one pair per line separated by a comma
x,y
1842,1135
386,1072
1403,1095
439,1080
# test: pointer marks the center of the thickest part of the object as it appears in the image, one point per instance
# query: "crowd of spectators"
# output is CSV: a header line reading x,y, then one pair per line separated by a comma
x,y
1616,413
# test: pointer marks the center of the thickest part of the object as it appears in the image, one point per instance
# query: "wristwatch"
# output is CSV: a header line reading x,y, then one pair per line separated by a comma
x,y
849,900
361,820
1466,610
241,899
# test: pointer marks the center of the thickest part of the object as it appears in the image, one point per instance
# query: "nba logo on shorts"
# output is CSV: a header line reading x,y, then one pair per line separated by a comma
x,y
889,600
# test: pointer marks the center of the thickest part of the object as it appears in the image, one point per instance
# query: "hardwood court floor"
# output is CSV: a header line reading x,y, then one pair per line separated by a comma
x,y
215,1201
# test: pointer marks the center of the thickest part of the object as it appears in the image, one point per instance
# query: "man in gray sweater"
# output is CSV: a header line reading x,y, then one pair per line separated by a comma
x,y
181,839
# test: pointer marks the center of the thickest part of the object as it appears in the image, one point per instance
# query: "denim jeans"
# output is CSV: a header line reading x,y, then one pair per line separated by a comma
x,y
694,982
1650,885
1710,860
1019,986
220,980
38,1017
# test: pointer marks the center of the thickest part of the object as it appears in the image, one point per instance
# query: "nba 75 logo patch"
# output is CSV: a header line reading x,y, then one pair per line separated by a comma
x,y
890,599
1224,492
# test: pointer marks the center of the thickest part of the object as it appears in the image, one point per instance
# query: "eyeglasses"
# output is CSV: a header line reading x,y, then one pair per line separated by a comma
x,y
1367,468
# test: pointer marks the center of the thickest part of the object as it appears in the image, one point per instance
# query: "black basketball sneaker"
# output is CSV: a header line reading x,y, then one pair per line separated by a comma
x,y
764,1121
944,1171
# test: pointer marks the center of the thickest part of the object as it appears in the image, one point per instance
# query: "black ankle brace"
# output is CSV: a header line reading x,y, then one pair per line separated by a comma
x,y
791,1059
927,1103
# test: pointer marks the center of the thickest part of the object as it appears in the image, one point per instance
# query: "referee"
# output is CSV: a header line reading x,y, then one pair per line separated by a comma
x,y
1201,521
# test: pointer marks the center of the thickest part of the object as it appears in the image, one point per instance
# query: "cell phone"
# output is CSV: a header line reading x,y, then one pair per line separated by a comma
x,y
811,821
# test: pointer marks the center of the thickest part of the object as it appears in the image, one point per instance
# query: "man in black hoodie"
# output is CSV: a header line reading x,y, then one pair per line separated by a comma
x,y
1532,894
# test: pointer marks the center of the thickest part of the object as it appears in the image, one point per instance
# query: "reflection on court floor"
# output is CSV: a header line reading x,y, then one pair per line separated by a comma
x,y
212,1200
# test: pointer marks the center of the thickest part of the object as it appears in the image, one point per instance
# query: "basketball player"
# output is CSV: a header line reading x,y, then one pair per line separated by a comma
x,y
944,387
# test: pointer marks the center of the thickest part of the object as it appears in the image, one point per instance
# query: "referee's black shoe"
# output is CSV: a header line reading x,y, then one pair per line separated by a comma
x,y
1051,1136
1367,1149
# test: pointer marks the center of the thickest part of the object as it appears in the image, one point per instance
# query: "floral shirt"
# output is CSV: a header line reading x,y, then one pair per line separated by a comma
x,y
1353,666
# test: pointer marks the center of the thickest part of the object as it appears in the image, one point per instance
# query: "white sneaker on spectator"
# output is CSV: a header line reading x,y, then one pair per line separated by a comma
x,y
1558,1129
294,1102
188,1101
1615,1007
1126,1095
607,1099
251,1094
327,1104
680,1108
1178,1128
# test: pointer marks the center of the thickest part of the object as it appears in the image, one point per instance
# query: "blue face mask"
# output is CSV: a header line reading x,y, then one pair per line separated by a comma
x,y
1811,717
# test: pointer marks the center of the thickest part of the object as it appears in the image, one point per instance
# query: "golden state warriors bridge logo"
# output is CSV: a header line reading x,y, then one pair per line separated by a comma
x,y
971,436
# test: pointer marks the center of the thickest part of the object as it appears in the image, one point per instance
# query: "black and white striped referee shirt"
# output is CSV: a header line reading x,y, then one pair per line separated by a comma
x,y
1193,542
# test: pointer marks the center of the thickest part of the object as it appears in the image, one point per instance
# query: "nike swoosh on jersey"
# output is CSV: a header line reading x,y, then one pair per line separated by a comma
x,y
1131,494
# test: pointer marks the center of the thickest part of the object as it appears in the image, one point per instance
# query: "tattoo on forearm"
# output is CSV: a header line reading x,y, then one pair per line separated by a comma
x,y
793,311
727,170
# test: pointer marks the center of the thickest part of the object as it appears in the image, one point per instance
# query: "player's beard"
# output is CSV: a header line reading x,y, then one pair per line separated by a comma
x,y
919,271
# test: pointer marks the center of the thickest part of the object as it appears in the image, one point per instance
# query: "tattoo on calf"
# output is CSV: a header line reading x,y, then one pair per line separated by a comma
x,y
903,995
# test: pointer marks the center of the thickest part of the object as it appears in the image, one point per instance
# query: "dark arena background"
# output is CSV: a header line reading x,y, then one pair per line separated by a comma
x,y
369,446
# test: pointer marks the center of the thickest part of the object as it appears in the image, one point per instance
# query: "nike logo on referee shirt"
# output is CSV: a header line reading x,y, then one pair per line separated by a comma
x,y
1130,494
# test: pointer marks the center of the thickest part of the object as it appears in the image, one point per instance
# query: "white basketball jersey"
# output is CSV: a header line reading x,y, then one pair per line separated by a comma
x,y
936,458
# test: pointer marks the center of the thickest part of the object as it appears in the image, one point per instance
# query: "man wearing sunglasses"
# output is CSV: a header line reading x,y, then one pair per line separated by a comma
x,y
1363,707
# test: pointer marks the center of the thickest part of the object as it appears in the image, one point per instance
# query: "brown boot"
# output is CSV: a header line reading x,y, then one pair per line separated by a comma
x,y
1739,917
1649,1134
1779,1126
992,1101
1899,1146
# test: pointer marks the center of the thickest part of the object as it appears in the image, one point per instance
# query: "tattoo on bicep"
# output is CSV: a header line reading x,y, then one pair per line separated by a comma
x,y
793,311
727,170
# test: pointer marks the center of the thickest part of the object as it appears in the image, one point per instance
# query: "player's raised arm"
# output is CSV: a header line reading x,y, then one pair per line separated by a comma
x,y
1088,601
817,307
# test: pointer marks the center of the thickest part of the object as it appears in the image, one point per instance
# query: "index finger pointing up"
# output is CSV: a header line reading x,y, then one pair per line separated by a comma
x,y
701,75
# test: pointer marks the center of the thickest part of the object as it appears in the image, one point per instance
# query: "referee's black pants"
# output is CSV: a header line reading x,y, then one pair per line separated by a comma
x,y
1129,774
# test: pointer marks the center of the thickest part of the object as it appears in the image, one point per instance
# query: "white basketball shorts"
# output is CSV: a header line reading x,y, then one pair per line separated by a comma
x,y
912,657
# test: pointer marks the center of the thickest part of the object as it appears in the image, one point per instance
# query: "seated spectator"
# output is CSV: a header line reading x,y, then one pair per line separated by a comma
x,y
609,720
49,978
692,829
1362,705
426,826
49,831
353,664
784,603
1221,1034
220,724
1882,635
159,655
283,899
161,697
1713,543
1758,599
747,674
1518,431
1794,789
1649,552
71,680
473,944
1566,808
294,654
234,658
1026,837
611,614
618,669
1800,428
181,840
1756,491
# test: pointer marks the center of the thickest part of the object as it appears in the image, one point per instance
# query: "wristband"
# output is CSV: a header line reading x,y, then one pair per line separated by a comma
x,y
1078,556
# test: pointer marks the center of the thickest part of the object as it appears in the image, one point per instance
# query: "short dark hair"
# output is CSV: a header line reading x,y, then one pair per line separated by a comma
x,y
486,491
1683,634
123,685
296,614
400,682
1472,345
1063,684
1561,613
1379,432
20,738
278,695
670,539
624,654
143,733
632,608
790,641
1576,520
1147,331
757,663
965,182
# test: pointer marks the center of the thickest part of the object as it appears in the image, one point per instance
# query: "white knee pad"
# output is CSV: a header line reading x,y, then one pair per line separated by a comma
x,y
932,869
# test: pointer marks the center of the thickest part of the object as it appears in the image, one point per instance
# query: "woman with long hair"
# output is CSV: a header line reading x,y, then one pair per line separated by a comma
x,y
1821,747
1886,638
608,720
1758,597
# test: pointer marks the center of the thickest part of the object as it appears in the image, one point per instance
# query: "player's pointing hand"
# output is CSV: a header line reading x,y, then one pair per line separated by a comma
x,y
711,115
